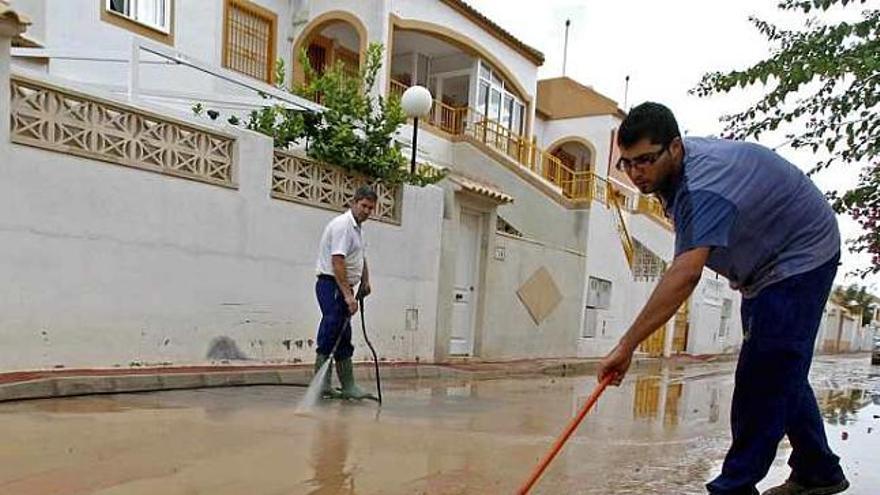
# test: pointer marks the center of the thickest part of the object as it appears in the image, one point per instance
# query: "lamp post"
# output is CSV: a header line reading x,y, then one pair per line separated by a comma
x,y
416,102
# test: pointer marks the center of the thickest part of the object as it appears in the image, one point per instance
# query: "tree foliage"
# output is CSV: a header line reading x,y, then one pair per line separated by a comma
x,y
355,130
823,87
857,297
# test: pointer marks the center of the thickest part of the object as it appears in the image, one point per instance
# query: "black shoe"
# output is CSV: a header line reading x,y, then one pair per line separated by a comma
x,y
792,487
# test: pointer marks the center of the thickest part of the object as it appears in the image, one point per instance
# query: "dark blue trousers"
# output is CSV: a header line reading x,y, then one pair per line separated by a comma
x,y
335,320
772,396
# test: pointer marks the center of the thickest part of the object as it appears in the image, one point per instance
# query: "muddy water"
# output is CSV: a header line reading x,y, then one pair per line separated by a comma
x,y
664,432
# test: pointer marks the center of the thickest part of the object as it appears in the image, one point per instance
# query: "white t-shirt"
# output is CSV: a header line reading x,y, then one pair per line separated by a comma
x,y
342,236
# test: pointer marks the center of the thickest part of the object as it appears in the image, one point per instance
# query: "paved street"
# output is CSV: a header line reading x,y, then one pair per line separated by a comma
x,y
664,432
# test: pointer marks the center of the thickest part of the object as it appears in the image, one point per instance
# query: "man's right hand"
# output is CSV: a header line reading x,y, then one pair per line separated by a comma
x,y
616,363
352,305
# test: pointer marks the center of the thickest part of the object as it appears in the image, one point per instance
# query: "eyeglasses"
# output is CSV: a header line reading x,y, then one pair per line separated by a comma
x,y
643,160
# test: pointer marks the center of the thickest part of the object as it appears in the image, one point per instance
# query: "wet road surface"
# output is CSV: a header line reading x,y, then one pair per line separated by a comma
x,y
664,432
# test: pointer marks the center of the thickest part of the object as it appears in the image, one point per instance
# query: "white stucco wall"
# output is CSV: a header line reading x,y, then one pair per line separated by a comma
x,y
198,33
107,265
556,241
659,239
5,45
373,14
35,10
849,338
103,238
852,336
509,332
533,212
606,260
434,149
705,317
539,128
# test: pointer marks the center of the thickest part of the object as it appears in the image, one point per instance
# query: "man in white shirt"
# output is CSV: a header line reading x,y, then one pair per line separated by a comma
x,y
342,266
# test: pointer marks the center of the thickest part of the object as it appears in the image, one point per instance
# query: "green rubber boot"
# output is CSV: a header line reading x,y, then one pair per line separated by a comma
x,y
350,390
327,391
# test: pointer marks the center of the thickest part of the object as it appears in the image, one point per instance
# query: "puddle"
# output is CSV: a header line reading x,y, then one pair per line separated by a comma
x,y
665,431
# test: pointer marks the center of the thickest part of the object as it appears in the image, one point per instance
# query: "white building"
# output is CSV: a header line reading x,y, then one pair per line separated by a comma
x,y
535,246
842,330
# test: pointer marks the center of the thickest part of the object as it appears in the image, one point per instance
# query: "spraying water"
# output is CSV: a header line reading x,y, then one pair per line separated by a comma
x,y
313,393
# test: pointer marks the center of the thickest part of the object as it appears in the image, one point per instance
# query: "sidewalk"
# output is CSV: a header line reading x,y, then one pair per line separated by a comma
x,y
24,385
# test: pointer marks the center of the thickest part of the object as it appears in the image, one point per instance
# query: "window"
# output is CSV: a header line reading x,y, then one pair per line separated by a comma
x,y
496,101
591,323
423,67
599,293
485,72
319,53
598,298
483,98
494,104
155,14
507,111
249,39
518,112
496,79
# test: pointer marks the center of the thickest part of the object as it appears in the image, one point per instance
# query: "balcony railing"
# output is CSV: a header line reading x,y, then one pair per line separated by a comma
x,y
652,208
464,121
574,185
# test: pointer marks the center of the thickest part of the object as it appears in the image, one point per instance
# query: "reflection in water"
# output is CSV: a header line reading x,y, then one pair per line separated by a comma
x,y
673,398
435,437
652,391
714,405
646,402
330,447
839,407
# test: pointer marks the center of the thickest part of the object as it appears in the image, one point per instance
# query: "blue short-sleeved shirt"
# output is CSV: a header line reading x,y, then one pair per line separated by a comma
x,y
763,218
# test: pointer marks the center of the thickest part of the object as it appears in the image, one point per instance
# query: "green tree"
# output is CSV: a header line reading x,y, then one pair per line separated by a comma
x,y
823,87
857,297
354,131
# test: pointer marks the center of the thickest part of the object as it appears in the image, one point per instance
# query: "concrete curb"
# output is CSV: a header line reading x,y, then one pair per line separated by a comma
x,y
45,385
163,379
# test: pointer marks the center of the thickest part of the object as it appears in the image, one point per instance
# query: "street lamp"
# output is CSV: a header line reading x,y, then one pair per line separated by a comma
x,y
416,102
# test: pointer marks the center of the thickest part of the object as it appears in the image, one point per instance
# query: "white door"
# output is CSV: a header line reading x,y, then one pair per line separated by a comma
x,y
464,292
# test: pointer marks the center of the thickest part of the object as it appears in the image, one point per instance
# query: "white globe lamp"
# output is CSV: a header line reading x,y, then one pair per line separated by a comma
x,y
416,102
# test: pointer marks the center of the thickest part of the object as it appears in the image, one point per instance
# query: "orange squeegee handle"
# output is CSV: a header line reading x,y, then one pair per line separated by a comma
x,y
572,426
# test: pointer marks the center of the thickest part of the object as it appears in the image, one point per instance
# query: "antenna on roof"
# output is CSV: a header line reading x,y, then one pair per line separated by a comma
x,y
565,50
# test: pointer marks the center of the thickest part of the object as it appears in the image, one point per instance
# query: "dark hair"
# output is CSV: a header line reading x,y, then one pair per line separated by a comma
x,y
365,192
648,120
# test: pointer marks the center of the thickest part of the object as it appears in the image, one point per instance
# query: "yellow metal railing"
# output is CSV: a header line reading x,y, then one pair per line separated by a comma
x,y
448,118
397,88
652,208
493,133
442,116
629,248
575,185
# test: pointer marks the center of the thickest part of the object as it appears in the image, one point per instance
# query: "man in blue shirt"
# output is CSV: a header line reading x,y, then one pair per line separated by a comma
x,y
748,214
